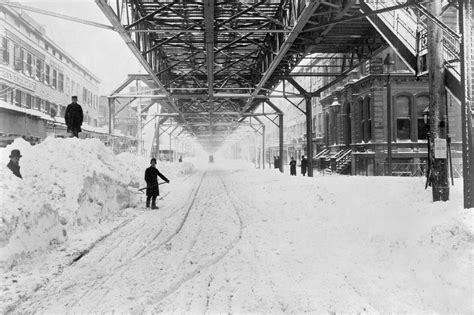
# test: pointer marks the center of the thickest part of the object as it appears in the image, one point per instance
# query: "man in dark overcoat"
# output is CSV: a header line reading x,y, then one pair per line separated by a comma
x,y
152,187
293,167
14,164
304,165
74,117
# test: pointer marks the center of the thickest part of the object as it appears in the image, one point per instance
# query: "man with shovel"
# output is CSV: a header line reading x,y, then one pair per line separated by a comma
x,y
152,186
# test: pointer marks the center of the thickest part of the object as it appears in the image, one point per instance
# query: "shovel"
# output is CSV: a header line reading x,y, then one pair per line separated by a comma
x,y
142,189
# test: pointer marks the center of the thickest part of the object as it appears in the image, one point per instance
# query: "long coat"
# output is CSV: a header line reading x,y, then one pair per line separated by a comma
x,y
15,169
292,167
152,188
74,117
304,165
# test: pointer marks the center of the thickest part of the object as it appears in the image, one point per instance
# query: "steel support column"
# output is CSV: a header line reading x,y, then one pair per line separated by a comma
x,y
280,129
309,135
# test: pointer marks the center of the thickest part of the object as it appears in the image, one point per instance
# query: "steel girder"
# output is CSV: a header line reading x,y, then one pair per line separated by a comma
x,y
210,57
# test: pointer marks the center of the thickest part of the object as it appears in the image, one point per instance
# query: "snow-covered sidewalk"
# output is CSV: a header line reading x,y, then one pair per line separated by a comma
x,y
236,239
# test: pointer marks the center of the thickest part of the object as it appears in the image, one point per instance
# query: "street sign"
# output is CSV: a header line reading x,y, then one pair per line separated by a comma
x,y
440,148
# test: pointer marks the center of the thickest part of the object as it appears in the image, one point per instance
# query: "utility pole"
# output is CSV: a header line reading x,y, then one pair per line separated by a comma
x,y
465,27
438,177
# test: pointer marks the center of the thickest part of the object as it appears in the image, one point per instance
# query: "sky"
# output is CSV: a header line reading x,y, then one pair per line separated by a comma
x,y
227,238
101,51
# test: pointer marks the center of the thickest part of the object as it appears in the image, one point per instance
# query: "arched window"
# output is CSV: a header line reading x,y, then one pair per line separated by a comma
x,y
422,103
402,117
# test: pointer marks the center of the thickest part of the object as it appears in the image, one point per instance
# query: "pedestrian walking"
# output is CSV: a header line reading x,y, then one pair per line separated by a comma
x,y
74,117
275,162
304,165
152,187
14,164
293,167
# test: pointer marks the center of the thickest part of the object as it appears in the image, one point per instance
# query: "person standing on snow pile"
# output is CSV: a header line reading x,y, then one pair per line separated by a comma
x,y
304,165
14,164
292,167
152,187
74,117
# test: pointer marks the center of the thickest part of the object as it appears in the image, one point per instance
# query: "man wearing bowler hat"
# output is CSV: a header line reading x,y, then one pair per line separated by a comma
x,y
74,117
14,164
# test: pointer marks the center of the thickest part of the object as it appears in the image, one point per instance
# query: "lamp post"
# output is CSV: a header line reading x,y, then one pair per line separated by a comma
x,y
388,63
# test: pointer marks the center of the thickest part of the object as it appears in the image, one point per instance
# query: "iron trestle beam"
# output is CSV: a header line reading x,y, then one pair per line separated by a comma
x,y
285,47
112,17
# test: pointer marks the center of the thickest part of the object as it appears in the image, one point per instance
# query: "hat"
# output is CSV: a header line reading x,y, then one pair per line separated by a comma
x,y
74,97
15,153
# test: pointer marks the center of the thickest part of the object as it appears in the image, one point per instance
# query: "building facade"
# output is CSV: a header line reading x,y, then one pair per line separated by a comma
x,y
38,78
350,126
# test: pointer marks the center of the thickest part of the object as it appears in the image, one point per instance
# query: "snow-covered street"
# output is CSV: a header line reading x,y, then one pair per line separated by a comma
x,y
231,238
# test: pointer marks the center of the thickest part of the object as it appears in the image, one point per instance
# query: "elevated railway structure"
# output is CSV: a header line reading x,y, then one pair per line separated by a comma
x,y
211,64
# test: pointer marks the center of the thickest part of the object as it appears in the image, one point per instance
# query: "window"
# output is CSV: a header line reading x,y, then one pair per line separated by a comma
x,y
17,56
68,86
29,64
47,106
61,82
39,105
320,123
28,100
422,102
18,98
402,117
55,79
3,92
62,110
46,74
39,70
24,62
366,120
4,51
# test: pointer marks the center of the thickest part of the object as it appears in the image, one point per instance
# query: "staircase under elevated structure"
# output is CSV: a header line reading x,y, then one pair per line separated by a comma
x,y
407,32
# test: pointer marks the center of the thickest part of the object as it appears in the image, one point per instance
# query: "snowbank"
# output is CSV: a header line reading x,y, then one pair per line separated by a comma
x,y
68,186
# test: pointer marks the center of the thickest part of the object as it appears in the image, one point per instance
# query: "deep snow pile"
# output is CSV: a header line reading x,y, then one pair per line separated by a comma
x,y
68,186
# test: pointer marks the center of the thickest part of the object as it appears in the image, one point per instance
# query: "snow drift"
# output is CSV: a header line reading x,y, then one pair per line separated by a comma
x,y
68,185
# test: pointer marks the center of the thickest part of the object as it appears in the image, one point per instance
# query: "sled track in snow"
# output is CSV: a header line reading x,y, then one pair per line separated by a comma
x,y
190,275
173,234
100,282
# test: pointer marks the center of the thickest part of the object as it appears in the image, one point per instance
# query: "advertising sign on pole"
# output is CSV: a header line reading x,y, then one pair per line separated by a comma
x,y
440,148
